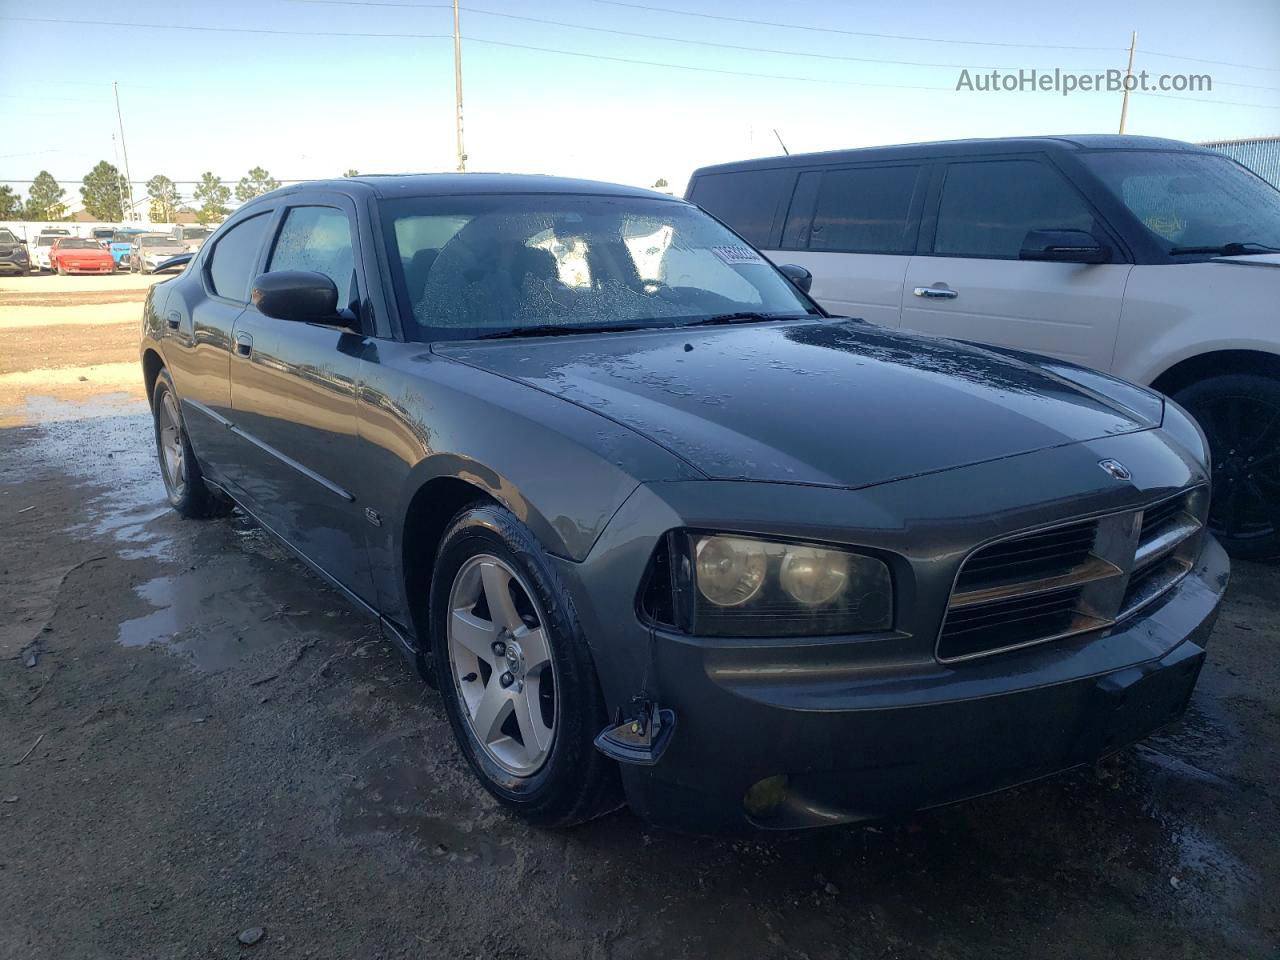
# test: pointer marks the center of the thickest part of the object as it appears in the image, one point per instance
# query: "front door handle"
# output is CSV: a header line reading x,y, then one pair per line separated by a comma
x,y
244,344
939,291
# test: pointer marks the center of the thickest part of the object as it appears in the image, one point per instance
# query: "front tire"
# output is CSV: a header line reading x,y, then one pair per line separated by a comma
x,y
183,482
513,667
1240,414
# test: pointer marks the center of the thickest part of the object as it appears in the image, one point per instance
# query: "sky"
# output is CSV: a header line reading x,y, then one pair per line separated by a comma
x,y
306,103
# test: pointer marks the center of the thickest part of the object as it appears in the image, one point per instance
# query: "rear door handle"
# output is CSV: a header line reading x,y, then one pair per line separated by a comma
x,y
174,320
939,291
244,344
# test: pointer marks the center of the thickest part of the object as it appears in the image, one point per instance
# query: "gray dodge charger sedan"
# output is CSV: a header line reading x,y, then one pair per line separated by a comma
x,y
660,529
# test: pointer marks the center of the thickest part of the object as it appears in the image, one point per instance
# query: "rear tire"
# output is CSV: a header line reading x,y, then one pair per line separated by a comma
x,y
183,482
1240,414
534,752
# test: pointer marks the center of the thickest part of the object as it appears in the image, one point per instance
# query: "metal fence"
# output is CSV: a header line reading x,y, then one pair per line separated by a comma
x,y
1262,155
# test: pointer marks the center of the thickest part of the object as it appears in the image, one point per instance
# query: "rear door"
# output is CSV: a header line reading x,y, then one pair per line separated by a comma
x,y
968,282
854,228
294,393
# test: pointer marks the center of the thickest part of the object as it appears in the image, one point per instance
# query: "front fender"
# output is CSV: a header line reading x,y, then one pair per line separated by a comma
x,y
561,469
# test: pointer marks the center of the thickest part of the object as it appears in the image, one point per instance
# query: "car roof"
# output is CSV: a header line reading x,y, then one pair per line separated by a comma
x,y
386,186
959,148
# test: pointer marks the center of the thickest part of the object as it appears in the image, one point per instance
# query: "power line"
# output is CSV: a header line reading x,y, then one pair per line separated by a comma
x,y
851,33
1219,63
565,53
656,36
496,43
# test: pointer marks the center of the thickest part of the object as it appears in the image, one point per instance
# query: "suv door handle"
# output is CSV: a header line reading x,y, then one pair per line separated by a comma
x,y
174,320
244,344
939,291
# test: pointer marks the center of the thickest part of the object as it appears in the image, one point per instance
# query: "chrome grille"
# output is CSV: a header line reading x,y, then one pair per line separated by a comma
x,y
1078,576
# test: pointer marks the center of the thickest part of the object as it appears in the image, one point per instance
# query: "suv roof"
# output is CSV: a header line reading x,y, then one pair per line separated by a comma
x,y
954,148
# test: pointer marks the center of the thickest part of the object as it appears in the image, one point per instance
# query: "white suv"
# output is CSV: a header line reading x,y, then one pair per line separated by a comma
x,y
1154,260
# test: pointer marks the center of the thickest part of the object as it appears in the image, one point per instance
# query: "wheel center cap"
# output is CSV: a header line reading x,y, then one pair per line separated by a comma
x,y
515,658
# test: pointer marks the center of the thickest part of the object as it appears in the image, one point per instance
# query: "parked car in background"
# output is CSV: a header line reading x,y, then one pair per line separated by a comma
x,y
191,236
149,250
654,518
1152,259
78,255
13,253
45,240
102,234
121,241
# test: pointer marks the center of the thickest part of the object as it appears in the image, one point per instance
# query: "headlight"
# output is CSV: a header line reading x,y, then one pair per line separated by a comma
x,y
730,569
1180,425
727,585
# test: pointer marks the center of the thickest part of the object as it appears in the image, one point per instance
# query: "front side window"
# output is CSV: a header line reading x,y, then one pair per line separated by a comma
x,y
475,266
1189,199
317,239
865,210
235,257
988,208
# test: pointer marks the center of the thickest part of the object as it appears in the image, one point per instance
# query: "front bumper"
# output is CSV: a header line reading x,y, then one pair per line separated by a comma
x,y
838,750
844,729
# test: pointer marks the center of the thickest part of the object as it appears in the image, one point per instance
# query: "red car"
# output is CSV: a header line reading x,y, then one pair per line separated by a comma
x,y
74,255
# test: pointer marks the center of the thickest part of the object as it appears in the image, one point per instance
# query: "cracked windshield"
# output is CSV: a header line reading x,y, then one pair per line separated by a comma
x,y
523,263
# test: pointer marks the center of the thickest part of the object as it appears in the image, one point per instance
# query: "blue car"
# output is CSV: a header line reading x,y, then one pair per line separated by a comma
x,y
121,240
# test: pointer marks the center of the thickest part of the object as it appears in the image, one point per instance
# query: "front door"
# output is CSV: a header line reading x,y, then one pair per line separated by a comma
x,y
293,392
969,283
197,327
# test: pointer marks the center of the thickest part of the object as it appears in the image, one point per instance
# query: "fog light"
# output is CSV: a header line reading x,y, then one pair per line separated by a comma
x,y
766,796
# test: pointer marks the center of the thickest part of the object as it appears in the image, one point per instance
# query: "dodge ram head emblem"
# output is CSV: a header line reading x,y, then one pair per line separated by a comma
x,y
1116,469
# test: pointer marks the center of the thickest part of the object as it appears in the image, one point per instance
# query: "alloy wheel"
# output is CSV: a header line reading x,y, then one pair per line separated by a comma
x,y
172,451
1244,435
501,664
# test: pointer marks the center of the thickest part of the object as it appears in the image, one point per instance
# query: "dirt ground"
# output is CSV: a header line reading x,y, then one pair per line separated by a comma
x,y
198,738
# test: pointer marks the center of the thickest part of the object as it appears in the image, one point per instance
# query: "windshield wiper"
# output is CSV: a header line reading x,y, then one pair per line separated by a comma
x,y
1226,249
557,331
745,316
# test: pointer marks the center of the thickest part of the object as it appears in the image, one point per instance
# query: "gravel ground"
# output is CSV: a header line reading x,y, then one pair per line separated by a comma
x,y
198,739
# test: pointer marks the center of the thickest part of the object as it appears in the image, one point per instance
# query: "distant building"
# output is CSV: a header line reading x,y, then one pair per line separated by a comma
x,y
1261,155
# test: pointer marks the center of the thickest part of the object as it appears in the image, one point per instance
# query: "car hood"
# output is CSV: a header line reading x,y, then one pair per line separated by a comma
x,y
837,403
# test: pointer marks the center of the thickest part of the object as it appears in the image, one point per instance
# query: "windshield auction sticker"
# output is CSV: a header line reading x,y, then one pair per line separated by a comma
x,y
737,254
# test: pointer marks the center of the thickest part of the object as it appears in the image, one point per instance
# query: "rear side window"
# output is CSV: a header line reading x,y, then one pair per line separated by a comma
x,y
747,201
235,256
865,210
987,208
317,239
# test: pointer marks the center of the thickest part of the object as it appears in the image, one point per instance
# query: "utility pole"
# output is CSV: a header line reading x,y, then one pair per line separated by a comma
x,y
123,149
457,85
1128,79
115,155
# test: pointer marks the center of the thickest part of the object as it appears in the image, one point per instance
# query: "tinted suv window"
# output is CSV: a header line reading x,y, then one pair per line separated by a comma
x,y
746,201
317,239
865,210
233,260
987,208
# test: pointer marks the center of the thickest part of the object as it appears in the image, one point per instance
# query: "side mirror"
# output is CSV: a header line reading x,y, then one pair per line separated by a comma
x,y
1064,246
298,295
798,275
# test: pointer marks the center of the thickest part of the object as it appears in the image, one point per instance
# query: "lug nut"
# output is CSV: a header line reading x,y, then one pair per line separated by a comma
x,y
506,679
499,648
